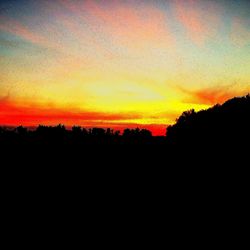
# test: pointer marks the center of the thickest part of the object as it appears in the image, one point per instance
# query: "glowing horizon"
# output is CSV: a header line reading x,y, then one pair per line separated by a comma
x,y
120,63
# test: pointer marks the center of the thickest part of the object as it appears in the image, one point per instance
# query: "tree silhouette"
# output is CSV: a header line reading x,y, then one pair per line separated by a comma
x,y
77,130
227,124
21,130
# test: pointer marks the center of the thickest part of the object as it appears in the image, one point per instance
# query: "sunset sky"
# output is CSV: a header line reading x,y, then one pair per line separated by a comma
x,y
120,63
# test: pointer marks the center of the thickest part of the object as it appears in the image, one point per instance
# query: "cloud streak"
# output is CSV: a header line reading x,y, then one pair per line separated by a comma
x,y
211,95
14,27
31,113
129,26
14,113
199,18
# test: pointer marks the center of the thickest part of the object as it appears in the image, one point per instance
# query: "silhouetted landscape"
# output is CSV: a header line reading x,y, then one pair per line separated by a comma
x,y
123,110
203,152
226,125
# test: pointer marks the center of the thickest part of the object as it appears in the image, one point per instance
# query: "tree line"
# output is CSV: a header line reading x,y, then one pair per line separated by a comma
x,y
226,124
76,135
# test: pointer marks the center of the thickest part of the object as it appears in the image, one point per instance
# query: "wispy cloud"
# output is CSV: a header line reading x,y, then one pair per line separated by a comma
x,y
199,18
129,26
16,28
15,112
211,95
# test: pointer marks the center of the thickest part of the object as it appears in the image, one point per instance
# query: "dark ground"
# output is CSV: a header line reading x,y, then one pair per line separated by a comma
x,y
205,154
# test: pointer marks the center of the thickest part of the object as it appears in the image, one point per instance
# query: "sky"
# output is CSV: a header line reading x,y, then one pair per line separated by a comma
x,y
120,63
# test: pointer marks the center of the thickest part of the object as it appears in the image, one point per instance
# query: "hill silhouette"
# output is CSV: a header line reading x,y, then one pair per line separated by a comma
x,y
226,125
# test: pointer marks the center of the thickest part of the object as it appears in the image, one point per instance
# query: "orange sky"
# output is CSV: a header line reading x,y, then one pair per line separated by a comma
x,y
120,63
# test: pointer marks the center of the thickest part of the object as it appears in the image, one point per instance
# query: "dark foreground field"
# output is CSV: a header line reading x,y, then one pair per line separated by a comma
x,y
198,175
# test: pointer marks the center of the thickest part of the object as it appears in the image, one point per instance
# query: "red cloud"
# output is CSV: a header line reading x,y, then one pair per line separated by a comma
x,y
14,114
211,95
